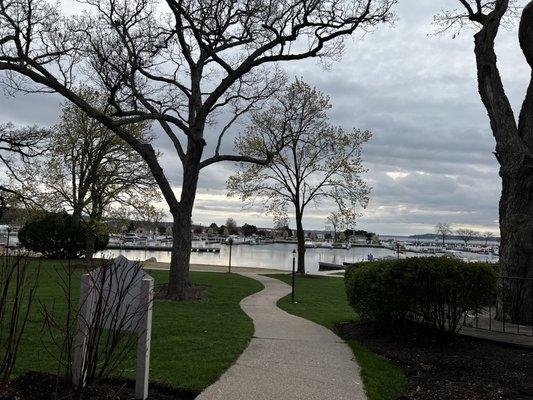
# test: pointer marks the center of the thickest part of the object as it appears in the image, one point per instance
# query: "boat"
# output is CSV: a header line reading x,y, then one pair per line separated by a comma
x,y
130,237
235,239
309,244
345,246
324,266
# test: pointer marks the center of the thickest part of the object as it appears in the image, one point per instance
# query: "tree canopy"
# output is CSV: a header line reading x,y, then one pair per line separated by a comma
x,y
317,163
179,64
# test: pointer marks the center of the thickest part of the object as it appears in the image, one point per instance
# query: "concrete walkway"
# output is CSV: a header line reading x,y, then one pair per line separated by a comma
x,y
288,358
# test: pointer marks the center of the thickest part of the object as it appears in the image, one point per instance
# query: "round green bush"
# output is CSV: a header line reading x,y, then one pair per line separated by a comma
x,y
55,235
435,291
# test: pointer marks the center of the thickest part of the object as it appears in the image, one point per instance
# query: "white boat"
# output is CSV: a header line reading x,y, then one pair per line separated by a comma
x,y
235,239
345,246
131,237
309,244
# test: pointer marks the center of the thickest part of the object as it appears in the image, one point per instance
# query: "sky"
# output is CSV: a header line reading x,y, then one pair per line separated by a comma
x,y
431,156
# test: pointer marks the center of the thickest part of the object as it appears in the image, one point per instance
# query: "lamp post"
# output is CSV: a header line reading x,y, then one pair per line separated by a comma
x,y
7,240
293,274
398,249
230,242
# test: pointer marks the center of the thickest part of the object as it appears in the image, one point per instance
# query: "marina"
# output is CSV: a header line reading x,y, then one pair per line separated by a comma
x,y
259,252
279,255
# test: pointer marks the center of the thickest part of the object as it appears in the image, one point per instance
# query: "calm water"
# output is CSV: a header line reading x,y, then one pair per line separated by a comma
x,y
275,256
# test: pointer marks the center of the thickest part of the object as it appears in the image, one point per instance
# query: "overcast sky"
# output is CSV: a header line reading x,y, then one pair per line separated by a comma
x,y
430,159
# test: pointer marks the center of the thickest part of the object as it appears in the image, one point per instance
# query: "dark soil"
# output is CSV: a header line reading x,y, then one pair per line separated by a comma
x,y
40,386
465,369
192,293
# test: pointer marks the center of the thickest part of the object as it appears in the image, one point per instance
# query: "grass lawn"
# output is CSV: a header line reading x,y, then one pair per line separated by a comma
x,y
192,342
323,300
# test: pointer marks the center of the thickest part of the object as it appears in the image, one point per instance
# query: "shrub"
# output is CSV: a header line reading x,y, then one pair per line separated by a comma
x,y
112,304
17,286
437,292
55,235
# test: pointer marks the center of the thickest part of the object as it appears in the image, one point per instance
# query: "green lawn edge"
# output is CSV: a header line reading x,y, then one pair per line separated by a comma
x,y
323,300
193,343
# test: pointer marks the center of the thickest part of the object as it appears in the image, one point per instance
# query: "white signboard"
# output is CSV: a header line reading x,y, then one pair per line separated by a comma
x,y
120,297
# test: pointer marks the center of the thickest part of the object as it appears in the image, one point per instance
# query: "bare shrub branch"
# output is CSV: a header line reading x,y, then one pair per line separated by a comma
x,y
109,332
17,289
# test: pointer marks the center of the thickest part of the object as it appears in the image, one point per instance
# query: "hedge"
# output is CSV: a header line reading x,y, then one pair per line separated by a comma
x,y
55,235
434,291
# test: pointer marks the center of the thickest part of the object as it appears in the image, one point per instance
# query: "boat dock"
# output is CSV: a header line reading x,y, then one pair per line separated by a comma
x,y
158,247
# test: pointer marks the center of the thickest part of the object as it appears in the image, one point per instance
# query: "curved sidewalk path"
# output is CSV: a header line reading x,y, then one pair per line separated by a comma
x,y
288,358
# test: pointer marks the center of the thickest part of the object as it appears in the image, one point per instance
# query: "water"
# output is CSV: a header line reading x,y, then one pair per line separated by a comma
x,y
275,256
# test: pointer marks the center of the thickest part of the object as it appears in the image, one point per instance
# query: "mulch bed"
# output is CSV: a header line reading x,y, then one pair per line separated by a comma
x,y
40,386
192,293
465,369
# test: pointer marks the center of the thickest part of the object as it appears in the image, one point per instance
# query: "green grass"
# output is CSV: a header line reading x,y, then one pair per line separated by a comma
x,y
323,300
192,342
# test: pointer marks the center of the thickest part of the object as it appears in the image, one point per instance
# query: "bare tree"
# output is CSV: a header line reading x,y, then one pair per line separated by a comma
x,y
16,145
336,221
514,137
443,229
319,161
466,235
17,288
180,63
152,215
487,236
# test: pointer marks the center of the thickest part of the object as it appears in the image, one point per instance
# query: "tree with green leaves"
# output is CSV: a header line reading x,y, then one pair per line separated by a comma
x,y
248,230
89,170
319,162
231,226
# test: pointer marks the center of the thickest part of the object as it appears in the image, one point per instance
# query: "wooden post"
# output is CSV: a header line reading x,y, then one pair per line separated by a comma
x,y
143,343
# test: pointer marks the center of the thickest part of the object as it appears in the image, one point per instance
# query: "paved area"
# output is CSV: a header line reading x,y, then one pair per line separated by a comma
x,y
487,327
288,358
520,340
165,266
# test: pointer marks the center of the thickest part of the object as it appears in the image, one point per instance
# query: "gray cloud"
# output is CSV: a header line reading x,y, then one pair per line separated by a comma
x,y
431,155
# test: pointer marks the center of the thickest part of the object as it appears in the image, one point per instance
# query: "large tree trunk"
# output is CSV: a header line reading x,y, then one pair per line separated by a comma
x,y
300,235
91,235
3,206
514,143
77,212
516,204
179,283
516,250
90,242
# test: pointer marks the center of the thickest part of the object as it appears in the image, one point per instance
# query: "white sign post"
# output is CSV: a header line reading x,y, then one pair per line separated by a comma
x,y
143,343
123,295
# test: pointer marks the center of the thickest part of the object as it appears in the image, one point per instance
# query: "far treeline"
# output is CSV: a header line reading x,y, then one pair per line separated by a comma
x,y
476,236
